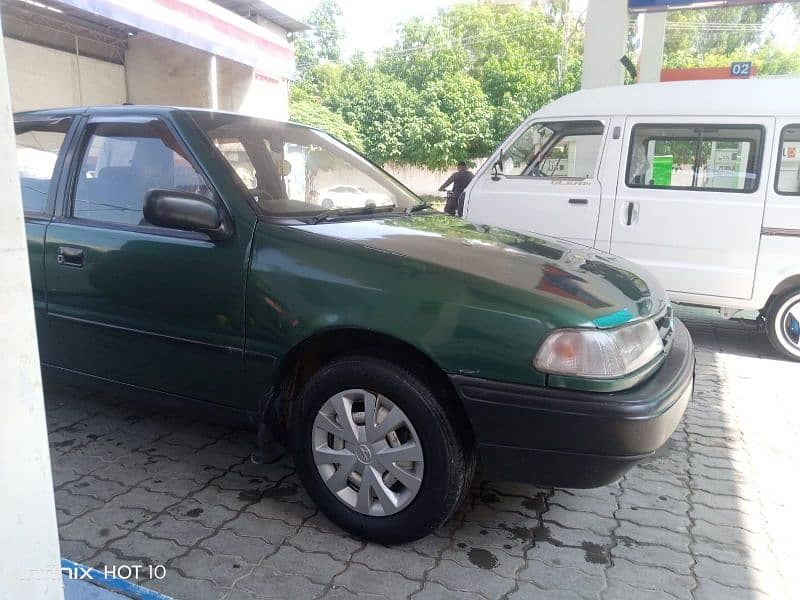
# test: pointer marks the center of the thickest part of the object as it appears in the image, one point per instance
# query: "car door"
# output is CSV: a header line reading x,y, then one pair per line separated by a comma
x,y
134,303
690,201
40,154
545,180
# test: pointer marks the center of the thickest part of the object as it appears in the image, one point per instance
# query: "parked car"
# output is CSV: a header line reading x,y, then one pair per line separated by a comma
x,y
388,347
697,181
352,196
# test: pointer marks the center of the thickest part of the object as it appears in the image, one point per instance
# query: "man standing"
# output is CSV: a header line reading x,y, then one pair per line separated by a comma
x,y
460,179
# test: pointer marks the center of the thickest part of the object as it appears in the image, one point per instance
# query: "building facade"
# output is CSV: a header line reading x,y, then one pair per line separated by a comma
x,y
228,55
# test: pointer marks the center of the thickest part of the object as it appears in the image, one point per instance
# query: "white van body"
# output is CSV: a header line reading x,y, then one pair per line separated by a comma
x,y
698,181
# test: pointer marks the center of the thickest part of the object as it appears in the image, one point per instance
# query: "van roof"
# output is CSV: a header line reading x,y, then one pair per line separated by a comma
x,y
747,97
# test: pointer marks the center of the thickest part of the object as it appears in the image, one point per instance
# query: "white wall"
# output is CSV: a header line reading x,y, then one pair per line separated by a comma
x,y
243,90
45,78
160,71
423,181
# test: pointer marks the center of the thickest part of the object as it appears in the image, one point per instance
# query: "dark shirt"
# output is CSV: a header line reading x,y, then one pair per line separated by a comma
x,y
460,180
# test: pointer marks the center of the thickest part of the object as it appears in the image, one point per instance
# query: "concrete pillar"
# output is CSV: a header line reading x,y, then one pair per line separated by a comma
x,y
605,43
29,554
653,27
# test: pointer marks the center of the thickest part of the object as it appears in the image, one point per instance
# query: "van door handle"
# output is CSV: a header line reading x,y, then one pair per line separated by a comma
x,y
632,215
70,257
578,201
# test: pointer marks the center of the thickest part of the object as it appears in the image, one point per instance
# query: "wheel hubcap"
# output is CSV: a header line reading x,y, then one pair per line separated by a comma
x,y
791,325
367,452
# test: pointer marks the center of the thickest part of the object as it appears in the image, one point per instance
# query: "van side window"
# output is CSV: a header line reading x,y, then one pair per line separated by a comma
x,y
699,157
37,152
121,163
787,179
565,149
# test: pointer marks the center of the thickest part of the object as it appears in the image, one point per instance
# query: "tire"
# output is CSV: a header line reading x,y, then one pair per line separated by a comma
x,y
783,324
408,512
327,204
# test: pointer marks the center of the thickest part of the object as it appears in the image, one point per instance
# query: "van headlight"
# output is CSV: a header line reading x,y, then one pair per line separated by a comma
x,y
599,353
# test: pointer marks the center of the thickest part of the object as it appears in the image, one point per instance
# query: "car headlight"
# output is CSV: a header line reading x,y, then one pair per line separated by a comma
x,y
599,353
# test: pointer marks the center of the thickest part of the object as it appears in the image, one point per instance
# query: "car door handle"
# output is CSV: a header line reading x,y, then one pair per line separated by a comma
x,y
578,201
70,257
632,213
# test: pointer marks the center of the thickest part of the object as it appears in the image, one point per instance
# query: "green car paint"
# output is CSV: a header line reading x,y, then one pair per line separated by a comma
x,y
476,300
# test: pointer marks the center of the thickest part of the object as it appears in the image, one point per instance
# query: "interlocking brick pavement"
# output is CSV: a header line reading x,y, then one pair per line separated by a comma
x,y
714,515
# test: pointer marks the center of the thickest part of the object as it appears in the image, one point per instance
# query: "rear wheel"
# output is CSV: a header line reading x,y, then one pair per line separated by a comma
x,y
783,324
377,451
327,204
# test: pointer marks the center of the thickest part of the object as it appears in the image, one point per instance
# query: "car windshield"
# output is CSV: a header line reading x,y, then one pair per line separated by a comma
x,y
294,171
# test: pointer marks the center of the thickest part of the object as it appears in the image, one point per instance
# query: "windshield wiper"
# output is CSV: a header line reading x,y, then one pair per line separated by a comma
x,y
418,207
348,212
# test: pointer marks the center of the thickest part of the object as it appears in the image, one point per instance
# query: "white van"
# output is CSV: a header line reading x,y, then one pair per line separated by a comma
x,y
698,181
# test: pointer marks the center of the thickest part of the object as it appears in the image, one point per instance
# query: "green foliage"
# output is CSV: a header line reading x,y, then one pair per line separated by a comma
x,y
719,37
452,88
714,31
322,42
311,112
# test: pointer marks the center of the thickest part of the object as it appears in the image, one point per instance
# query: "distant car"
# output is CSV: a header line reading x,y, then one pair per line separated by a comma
x,y
352,196
389,347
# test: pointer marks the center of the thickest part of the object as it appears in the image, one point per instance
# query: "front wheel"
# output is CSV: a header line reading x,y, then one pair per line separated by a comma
x,y
783,324
377,451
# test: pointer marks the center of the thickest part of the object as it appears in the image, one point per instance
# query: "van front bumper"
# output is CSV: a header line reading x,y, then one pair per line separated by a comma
x,y
576,439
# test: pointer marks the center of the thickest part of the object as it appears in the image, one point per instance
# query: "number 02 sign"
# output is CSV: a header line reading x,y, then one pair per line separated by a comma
x,y
741,69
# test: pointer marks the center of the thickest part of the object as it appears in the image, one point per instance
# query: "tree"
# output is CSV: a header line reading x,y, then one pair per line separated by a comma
x,y
310,112
322,42
520,59
696,33
384,111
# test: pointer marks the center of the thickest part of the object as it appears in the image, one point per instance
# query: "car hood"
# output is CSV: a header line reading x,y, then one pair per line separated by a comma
x,y
601,289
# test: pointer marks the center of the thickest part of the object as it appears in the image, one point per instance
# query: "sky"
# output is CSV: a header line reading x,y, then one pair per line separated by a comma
x,y
369,25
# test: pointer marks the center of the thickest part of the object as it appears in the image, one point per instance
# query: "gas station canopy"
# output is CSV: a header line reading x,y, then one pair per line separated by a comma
x,y
662,5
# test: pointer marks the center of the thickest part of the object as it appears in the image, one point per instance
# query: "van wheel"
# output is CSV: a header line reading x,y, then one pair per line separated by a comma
x,y
783,324
377,452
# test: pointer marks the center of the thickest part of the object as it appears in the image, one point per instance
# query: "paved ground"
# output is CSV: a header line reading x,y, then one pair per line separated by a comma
x,y
715,515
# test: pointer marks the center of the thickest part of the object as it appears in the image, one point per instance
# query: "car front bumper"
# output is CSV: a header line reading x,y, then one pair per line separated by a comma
x,y
565,438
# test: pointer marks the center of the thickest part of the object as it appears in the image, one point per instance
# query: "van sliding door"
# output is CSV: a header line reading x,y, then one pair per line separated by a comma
x,y
690,201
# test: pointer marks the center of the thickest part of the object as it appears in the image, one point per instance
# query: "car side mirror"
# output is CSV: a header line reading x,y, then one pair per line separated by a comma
x,y
188,212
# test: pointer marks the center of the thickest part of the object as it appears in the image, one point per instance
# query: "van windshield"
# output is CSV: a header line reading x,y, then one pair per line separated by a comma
x,y
293,170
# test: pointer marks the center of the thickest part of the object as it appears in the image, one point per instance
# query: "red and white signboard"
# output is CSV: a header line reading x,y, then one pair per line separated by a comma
x,y
203,25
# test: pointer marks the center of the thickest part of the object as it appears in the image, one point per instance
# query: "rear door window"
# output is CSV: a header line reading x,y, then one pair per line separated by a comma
x,y
698,157
787,179
38,148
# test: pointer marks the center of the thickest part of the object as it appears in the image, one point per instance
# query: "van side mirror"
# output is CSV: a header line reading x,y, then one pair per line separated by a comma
x,y
187,212
497,167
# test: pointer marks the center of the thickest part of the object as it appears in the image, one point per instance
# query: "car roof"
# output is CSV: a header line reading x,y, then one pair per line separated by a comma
x,y
747,97
138,109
